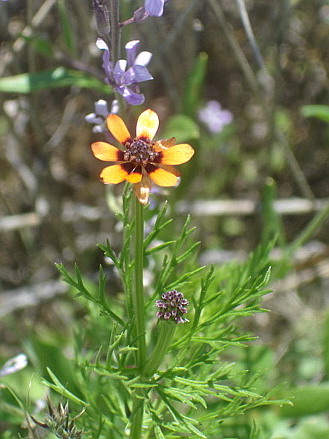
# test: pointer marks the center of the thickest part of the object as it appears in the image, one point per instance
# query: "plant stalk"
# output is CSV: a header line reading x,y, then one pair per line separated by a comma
x,y
138,288
139,316
115,33
166,331
137,419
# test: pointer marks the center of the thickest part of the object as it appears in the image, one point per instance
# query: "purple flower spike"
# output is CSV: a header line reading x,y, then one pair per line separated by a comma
x,y
214,117
126,75
172,307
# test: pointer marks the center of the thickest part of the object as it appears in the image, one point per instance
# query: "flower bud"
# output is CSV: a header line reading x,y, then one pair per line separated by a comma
x,y
172,307
102,19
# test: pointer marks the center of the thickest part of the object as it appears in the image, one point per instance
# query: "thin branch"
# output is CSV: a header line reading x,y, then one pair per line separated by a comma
x,y
250,34
236,49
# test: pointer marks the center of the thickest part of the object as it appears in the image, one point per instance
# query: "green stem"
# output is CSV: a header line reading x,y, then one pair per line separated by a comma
x,y
114,12
139,316
165,335
312,227
138,288
137,419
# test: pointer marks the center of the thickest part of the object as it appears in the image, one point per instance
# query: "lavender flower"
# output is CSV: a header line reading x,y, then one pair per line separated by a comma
x,y
214,117
126,75
172,307
151,8
14,365
98,118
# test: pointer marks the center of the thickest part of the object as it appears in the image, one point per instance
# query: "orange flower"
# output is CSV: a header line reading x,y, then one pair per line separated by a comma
x,y
142,161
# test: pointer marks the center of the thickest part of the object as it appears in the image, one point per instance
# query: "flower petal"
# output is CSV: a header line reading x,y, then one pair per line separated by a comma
x,y
142,189
135,175
160,145
102,108
118,71
135,75
101,44
154,7
171,169
118,128
131,51
176,155
143,58
161,176
106,152
114,174
130,96
147,124
93,118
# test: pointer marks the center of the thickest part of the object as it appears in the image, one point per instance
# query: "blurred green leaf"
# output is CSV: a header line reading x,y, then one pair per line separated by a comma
x,y
272,225
59,77
326,344
67,29
45,353
194,85
313,428
307,400
12,407
41,45
319,111
182,127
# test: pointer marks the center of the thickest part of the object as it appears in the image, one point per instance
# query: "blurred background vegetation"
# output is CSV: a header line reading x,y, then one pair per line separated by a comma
x,y
265,174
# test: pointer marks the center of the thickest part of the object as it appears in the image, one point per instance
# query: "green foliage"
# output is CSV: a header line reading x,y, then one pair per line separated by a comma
x,y
182,127
319,111
307,400
41,45
67,30
216,380
55,78
194,85
197,388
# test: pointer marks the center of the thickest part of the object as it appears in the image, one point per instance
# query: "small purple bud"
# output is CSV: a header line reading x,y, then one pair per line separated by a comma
x,y
102,19
174,303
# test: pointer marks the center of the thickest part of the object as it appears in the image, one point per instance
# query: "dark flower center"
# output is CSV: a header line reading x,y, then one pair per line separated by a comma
x,y
140,152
